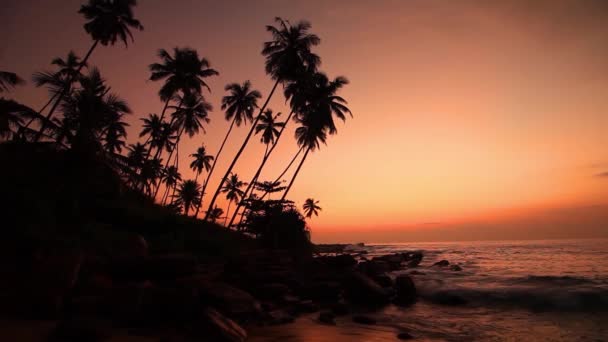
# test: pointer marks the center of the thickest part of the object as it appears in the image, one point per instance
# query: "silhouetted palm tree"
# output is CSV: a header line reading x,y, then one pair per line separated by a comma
x,y
115,133
215,214
68,73
287,55
202,161
170,177
268,187
12,116
311,208
233,192
185,71
239,106
316,116
269,128
151,170
9,80
92,111
107,22
188,195
188,118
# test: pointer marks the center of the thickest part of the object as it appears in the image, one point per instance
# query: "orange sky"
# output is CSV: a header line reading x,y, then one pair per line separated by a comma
x,y
465,111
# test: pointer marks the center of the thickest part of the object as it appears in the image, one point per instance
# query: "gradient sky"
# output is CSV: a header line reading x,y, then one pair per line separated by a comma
x,y
472,119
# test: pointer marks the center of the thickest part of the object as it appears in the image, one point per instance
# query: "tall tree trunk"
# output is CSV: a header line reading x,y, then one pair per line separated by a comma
x,y
295,174
217,156
40,111
285,170
238,154
259,171
227,213
63,93
165,195
179,136
162,115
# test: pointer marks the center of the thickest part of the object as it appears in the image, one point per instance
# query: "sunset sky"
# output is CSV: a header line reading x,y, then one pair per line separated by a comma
x,y
472,119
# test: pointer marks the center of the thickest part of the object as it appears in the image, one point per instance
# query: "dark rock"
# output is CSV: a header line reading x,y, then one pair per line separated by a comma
x,y
405,289
374,267
230,300
404,336
417,273
160,305
383,280
161,267
327,317
455,268
442,263
321,290
362,319
363,290
217,327
339,261
307,306
271,291
277,317
340,309
451,299
74,330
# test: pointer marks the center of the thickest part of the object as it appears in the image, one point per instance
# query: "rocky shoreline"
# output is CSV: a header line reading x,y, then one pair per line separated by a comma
x,y
182,298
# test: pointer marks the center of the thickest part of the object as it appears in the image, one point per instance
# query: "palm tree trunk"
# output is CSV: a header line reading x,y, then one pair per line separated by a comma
x,y
41,110
169,158
286,169
217,156
259,171
63,93
227,213
165,195
295,174
238,154
150,136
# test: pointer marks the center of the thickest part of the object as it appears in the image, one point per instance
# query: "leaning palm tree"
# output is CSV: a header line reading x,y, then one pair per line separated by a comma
x,y
316,116
202,161
233,192
183,71
188,118
288,55
12,116
108,21
239,106
93,111
270,131
311,207
188,195
68,73
215,214
170,177
8,80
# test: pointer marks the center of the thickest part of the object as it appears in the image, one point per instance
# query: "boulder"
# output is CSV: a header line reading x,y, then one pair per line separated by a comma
x,y
80,330
216,327
321,290
339,261
327,317
340,309
455,268
404,335
157,268
362,319
361,289
230,300
374,267
442,263
271,291
405,290
383,280
161,305
277,317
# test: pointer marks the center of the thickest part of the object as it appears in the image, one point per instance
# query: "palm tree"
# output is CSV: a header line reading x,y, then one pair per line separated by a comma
x,y
188,195
268,187
202,161
287,55
170,177
12,115
9,80
66,75
239,106
215,214
115,132
107,22
270,131
151,170
316,116
188,118
185,71
93,111
233,191
310,207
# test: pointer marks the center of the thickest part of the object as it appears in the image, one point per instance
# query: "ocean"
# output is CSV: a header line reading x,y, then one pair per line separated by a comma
x,y
553,290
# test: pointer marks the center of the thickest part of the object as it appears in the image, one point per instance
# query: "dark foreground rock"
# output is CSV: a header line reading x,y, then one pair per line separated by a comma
x,y
216,327
361,289
405,290
362,319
